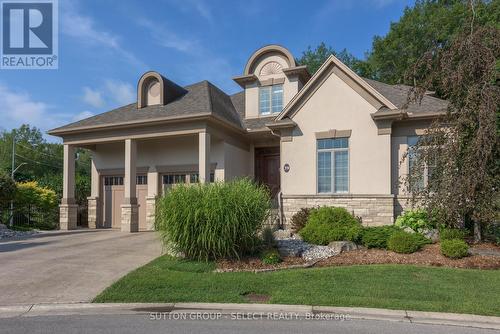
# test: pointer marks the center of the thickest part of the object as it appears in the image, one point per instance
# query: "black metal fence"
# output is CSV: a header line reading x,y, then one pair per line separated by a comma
x,y
35,217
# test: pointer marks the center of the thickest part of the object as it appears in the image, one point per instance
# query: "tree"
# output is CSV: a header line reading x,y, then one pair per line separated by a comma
x,y
313,59
463,146
425,25
44,161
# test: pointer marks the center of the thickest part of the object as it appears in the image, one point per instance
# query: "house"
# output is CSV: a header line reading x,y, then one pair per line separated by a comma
x,y
332,138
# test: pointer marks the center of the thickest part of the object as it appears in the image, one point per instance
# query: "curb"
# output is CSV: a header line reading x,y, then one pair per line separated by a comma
x,y
265,310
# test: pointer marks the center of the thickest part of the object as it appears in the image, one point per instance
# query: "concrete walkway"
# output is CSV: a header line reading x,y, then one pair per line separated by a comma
x,y
70,266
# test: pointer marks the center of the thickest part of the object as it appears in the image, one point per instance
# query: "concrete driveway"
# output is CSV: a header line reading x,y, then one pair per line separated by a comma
x,y
70,266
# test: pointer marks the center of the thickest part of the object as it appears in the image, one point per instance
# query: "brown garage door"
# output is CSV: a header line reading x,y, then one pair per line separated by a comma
x,y
113,195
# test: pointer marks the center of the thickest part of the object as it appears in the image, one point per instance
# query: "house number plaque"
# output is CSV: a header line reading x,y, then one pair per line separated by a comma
x,y
286,168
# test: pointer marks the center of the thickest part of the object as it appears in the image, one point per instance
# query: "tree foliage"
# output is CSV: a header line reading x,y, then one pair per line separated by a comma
x,y
7,189
43,161
462,146
429,23
313,59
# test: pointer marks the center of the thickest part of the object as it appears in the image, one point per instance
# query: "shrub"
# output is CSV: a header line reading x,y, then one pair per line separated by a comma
x,y
376,237
406,243
454,248
299,219
7,189
329,224
418,220
268,240
212,221
271,256
452,233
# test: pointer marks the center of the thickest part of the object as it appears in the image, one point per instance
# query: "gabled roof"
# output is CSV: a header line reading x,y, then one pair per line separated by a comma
x,y
201,99
327,65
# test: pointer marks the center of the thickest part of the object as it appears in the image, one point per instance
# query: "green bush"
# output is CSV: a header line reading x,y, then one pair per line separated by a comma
x,y
271,256
454,248
376,237
299,219
212,221
327,224
418,220
268,240
406,243
452,233
7,189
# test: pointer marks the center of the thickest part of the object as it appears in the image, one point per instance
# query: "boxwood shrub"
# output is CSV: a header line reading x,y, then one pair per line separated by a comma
x,y
327,224
212,221
454,248
406,243
376,237
452,233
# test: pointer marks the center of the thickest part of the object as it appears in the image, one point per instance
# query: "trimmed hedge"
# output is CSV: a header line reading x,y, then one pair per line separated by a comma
x,y
406,243
327,224
452,233
212,221
454,248
376,237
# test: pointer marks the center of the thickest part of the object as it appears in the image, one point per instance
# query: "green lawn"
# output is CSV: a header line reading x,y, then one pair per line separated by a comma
x,y
383,286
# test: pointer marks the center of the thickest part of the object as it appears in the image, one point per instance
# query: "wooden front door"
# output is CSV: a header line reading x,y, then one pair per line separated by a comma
x,y
267,168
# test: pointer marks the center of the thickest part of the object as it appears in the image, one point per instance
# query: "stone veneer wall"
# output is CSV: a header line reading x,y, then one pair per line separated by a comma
x,y
374,210
130,218
93,214
150,213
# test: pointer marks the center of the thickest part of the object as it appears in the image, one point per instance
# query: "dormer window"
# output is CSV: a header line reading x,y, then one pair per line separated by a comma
x,y
270,99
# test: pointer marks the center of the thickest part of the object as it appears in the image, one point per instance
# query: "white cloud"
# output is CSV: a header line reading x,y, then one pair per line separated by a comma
x,y
200,6
167,38
92,97
19,108
84,29
120,92
82,115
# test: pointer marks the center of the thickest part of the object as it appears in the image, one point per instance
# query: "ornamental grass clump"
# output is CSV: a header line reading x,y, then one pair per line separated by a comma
x,y
213,221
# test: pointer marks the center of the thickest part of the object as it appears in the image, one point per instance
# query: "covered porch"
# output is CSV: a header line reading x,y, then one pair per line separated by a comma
x,y
128,175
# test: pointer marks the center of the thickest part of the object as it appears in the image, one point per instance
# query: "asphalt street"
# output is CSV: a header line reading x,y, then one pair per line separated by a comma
x,y
147,323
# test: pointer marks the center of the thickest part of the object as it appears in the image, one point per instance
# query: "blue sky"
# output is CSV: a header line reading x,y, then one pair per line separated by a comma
x,y
105,46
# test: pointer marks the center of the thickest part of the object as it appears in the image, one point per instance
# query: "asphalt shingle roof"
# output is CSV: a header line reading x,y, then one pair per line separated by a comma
x,y
205,98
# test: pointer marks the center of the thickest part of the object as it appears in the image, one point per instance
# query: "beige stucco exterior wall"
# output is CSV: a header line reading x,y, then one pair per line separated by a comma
x,y
236,162
171,151
290,86
335,105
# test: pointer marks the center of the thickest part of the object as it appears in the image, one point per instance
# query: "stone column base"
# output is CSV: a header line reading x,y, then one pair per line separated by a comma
x,y
150,213
130,218
68,215
93,212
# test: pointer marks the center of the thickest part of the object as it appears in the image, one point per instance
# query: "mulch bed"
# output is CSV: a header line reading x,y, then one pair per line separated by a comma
x,y
430,255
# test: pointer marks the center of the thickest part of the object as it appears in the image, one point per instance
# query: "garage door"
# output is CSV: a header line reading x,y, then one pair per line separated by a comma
x,y
113,196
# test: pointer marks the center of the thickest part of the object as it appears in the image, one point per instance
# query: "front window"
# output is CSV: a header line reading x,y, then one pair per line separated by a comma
x,y
270,99
420,178
333,165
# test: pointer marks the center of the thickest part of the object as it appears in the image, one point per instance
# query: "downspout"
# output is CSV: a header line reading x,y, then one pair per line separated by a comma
x,y
280,207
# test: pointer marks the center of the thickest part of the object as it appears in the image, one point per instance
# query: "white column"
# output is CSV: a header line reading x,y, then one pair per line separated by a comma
x,y
93,202
69,174
130,171
204,156
94,180
68,210
130,209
